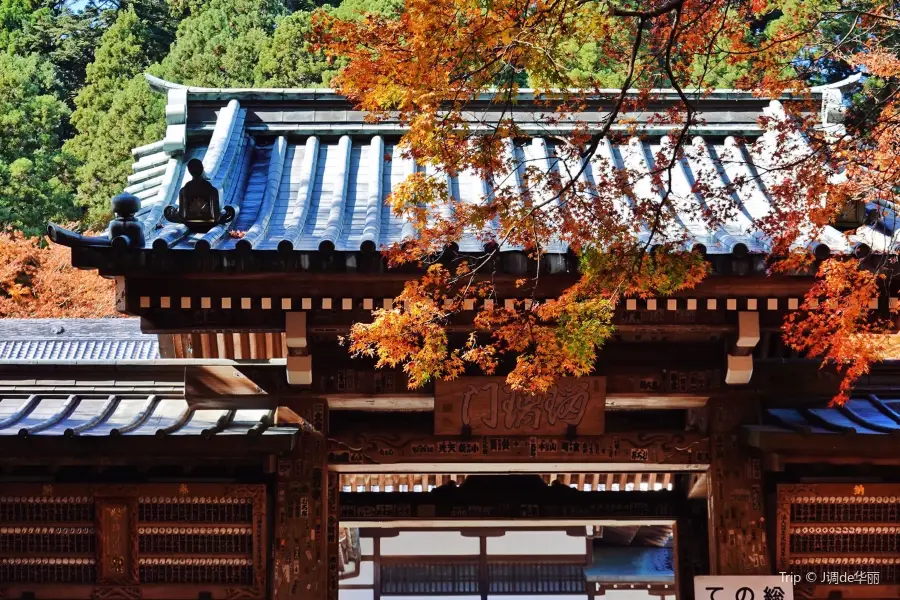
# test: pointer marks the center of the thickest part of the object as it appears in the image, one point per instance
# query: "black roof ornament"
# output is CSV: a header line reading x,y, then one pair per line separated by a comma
x,y
125,231
199,203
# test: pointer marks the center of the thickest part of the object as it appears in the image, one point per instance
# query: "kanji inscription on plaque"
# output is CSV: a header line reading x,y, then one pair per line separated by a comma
x,y
488,406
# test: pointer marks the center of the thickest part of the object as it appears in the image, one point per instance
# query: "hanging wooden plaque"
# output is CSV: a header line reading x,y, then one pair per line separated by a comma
x,y
487,406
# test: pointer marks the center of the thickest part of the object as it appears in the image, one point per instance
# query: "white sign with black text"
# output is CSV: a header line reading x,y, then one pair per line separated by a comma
x,y
743,587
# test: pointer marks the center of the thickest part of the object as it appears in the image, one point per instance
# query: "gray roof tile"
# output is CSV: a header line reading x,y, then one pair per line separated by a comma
x,y
57,415
75,340
300,191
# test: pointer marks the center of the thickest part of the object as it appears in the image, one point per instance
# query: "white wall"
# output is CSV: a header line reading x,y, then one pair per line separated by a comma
x,y
366,546
633,595
431,543
355,594
537,543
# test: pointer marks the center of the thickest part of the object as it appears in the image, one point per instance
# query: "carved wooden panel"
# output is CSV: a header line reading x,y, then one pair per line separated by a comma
x,y
116,558
133,541
487,405
840,534
301,540
737,526
687,450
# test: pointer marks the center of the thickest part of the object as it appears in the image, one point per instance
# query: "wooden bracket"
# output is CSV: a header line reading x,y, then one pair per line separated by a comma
x,y
299,362
740,359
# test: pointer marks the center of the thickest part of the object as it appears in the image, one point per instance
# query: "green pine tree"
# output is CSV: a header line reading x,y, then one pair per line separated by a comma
x,y
14,16
220,45
108,114
289,59
35,175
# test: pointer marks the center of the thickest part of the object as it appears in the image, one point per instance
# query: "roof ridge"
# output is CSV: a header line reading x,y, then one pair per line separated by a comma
x,y
163,86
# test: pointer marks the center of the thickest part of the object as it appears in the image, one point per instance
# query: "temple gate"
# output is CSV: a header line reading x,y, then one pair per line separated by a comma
x,y
254,458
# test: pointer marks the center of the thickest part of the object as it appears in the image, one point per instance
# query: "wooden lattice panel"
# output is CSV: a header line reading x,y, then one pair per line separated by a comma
x,y
81,541
838,531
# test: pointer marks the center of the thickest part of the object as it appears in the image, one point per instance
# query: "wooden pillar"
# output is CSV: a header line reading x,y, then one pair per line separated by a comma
x,y
737,523
691,547
306,516
333,522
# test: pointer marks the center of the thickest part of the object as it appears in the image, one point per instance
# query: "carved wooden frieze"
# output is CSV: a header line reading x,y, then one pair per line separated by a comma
x,y
301,539
116,556
512,503
686,451
489,406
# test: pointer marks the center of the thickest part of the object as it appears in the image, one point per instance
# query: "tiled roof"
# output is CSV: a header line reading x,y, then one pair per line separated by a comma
x,y
870,415
125,415
304,173
75,340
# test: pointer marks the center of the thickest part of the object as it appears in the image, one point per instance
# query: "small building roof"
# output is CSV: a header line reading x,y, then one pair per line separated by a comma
x,y
869,415
51,424
817,433
75,340
305,172
614,564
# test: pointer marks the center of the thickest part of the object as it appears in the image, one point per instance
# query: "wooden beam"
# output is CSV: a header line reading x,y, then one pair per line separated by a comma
x,y
699,486
258,344
205,346
245,346
229,344
629,533
206,386
362,449
509,503
166,346
196,343
832,448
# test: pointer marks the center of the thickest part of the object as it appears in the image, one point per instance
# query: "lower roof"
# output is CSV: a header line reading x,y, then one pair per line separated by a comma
x,y
865,429
104,422
75,340
632,565
870,415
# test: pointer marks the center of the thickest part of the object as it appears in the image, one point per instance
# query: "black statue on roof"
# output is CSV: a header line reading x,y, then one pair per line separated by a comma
x,y
199,205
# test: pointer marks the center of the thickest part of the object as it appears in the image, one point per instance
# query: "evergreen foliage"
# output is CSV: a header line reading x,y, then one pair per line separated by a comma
x,y
35,174
220,44
290,61
114,112
92,59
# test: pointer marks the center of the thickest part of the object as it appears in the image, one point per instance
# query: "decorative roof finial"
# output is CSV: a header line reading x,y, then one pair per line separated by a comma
x,y
125,231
